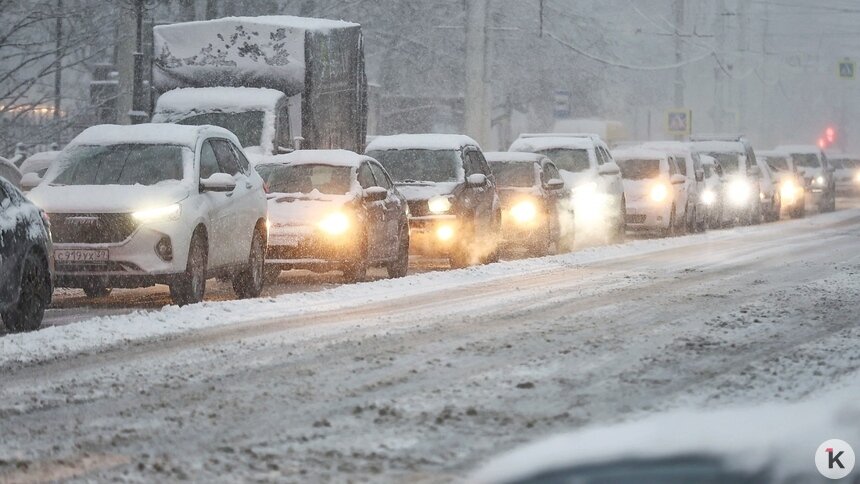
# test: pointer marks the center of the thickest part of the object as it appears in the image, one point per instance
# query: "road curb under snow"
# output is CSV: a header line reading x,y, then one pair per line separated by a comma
x,y
103,333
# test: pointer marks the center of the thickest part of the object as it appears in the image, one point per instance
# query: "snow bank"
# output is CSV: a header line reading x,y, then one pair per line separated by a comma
x,y
99,334
420,142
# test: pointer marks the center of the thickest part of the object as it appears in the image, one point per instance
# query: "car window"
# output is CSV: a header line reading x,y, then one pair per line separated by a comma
x,y
681,163
227,161
240,157
472,164
283,127
379,175
208,162
4,198
599,155
365,176
551,172
697,161
482,162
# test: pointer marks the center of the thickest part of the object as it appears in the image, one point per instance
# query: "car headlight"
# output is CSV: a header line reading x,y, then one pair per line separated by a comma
x,y
335,223
445,232
709,197
158,214
659,192
439,205
524,211
739,191
788,190
857,178
819,180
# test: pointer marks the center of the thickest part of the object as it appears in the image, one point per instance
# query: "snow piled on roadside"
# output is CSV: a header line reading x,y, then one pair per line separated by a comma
x,y
100,334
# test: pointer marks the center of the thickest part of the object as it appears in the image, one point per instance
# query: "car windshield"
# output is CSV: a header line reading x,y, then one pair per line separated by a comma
x,y
807,160
247,126
568,159
728,161
777,162
414,165
305,178
514,174
128,164
639,169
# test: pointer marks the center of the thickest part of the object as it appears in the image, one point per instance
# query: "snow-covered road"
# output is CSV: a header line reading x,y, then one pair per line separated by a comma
x,y
421,378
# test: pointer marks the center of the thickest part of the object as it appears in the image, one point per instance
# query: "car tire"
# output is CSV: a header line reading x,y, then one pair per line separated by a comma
x,y
460,256
494,240
95,289
400,265
619,228
190,287
798,210
541,247
671,229
28,312
271,275
249,282
356,270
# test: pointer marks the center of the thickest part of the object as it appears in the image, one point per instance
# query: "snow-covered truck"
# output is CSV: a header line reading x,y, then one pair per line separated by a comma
x,y
278,82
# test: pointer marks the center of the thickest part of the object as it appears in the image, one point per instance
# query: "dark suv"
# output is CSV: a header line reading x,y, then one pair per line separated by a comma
x,y
451,193
26,262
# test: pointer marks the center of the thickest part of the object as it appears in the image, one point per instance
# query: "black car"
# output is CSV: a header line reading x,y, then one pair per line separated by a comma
x,y
453,204
334,210
26,261
532,195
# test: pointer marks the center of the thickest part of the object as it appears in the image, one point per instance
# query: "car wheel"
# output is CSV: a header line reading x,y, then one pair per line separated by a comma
x,y
400,265
28,312
671,229
356,270
271,274
494,241
249,282
190,287
619,229
460,256
96,288
541,246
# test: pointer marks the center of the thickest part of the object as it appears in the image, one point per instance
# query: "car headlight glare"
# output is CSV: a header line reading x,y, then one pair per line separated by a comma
x,y
788,190
709,197
524,211
335,223
819,180
439,205
158,214
659,193
739,191
445,233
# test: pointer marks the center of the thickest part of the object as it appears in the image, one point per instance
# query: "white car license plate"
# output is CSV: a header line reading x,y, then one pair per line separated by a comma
x,y
81,255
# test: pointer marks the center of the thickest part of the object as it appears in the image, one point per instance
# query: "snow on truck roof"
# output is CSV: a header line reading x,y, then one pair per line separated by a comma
x,y
322,157
148,133
546,143
720,146
420,142
286,21
203,99
513,157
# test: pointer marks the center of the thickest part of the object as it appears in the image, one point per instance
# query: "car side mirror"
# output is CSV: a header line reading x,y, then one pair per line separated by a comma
x,y
218,182
30,181
554,184
375,194
283,150
700,176
476,180
608,169
678,179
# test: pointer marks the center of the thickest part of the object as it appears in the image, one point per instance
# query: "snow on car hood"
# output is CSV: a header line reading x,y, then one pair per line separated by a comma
x,y
107,198
302,209
425,191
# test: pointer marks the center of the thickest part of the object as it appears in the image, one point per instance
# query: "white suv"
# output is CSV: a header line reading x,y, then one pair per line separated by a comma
x,y
134,206
590,173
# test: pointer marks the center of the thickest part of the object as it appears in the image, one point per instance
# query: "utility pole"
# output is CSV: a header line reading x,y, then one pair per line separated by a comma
x,y
719,75
744,47
678,9
476,116
58,68
138,113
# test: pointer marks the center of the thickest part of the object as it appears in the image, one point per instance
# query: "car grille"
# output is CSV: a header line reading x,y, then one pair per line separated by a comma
x,y
637,218
418,208
91,228
89,267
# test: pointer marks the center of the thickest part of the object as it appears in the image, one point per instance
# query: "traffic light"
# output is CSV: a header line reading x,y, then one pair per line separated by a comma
x,y
830,134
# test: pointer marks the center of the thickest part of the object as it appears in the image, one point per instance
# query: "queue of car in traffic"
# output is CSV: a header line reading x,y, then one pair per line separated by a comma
x,y
135,206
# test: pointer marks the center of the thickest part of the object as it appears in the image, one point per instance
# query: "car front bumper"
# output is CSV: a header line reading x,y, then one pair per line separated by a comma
x,y
303,247
643,216
435,235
